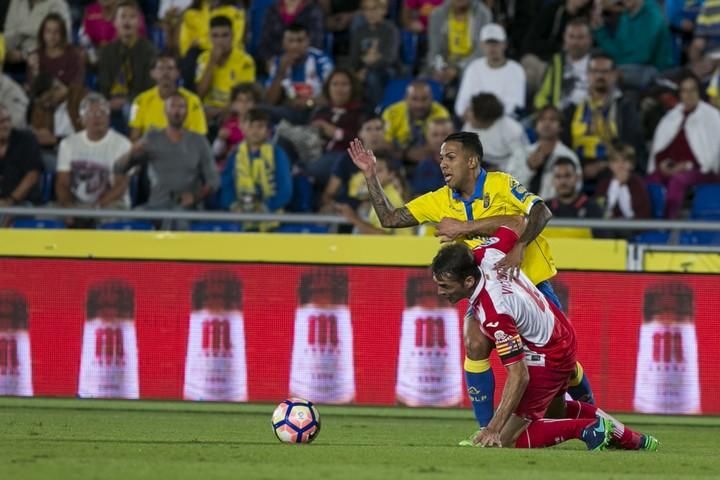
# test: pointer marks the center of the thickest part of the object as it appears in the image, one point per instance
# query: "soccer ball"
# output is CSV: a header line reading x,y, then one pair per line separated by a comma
x,y
296,421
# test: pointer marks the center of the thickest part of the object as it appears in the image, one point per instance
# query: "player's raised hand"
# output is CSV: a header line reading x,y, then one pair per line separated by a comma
x,y
450,229
510,263
363,158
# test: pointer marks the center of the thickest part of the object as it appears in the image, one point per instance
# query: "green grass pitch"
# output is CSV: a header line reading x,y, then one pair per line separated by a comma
x,y
74,439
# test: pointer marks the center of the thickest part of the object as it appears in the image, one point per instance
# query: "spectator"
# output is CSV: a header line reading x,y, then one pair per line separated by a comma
x,y
98,26
170,15
453,33
390,179
14,100
180,163
415,14
220,69
124,65
339,14
707,30
570,202
55,110
686,146
280,16
22,25
494,74
546,35
536,170
340,119
406,122
55,56
245,96
503,138
600,120
681,15
639,43
148,109
566,78
2,48
428,176
374,47
86,161
256,177
20,163
297,75
624,194
372,135
194,29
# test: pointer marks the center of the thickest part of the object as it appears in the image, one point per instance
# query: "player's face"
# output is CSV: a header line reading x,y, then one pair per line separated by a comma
x,y
564,180
452,289
221,38
454,164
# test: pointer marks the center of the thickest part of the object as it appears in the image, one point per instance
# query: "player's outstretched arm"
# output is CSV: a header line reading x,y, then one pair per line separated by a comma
x,y
515,385
390,217
450,229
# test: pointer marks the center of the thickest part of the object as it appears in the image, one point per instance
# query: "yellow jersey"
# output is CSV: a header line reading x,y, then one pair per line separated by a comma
x,y
496,193
398,130
2,48
148,112
195,26
239,68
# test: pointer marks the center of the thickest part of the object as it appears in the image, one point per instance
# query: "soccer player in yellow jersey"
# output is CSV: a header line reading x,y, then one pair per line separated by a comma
x,y
472,205
148,108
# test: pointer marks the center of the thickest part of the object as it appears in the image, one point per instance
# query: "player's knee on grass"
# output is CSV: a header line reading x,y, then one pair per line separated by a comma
x,y
512,430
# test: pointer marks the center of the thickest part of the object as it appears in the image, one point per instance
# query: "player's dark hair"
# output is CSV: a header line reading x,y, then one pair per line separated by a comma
x,y
297,27
455,262
247,88
221,21
470,141
258,115
486,107
565,161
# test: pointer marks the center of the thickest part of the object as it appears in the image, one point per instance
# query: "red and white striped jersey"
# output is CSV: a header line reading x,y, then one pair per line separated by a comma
x,y
515,315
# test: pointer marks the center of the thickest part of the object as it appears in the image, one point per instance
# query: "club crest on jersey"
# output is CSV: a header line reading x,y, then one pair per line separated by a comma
x,y
489,241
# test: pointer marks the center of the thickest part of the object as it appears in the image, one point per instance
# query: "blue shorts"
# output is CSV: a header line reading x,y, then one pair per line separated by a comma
x,y
546,289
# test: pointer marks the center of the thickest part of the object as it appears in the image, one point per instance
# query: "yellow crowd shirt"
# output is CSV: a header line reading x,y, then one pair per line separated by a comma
x,y
2,48
148,112
496,193
239,68
398,129
357,188
195,26
459,38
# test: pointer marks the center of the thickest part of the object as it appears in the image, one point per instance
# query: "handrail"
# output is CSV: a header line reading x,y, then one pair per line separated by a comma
x,y
209,215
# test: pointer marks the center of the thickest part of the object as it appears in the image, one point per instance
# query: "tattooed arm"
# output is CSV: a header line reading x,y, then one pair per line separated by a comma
x,y
390,217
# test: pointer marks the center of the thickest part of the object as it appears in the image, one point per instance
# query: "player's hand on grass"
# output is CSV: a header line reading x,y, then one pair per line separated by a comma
x,y
488,438
510,264
363,158
450,229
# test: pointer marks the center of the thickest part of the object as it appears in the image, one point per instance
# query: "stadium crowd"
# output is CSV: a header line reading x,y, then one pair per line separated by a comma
x,y
605,108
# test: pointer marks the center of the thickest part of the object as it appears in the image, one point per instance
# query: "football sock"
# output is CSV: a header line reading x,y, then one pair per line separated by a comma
x,y
481,389
546,433
579,386
623,436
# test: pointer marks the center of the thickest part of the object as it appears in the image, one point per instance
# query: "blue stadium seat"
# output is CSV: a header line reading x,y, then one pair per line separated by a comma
x,y
657,195
700,238
653,237
409,42
215,227
706,203
395,91
302,228
257,16
302,195
33,223
127,225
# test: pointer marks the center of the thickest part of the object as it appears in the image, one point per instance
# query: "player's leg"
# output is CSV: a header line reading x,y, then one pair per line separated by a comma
x,y
579,388
595,432
478,374
622,436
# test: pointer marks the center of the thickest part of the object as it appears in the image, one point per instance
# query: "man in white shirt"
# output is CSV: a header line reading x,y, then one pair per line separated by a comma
x,y
85,176
494,73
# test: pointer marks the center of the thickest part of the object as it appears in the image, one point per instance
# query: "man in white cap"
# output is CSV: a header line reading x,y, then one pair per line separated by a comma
x,y
494,73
